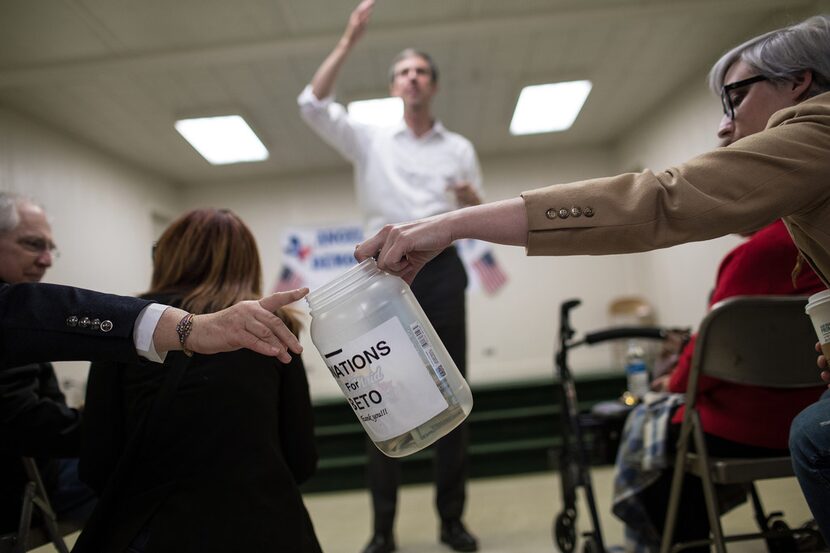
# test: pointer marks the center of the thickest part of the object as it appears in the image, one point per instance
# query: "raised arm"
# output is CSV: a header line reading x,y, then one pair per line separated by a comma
x,y
323,81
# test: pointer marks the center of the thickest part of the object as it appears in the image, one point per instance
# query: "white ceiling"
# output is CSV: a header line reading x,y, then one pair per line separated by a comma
x,y
116,74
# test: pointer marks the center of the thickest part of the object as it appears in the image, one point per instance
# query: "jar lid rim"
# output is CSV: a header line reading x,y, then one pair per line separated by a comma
x,y
345,282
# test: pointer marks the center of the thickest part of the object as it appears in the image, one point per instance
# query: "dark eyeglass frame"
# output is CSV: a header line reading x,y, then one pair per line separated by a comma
x,y
726,99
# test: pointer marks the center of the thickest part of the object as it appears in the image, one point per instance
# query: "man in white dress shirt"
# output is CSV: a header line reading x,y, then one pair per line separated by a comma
x,y
413,169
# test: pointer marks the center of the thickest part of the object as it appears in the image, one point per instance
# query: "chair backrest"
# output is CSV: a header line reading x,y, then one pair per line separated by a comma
x,y
758,340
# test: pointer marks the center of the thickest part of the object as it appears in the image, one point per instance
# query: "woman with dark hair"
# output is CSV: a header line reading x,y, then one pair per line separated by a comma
x,y
203,453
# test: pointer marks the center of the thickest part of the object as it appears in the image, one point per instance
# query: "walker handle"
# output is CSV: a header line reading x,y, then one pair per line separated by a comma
x,y
565,330
617,333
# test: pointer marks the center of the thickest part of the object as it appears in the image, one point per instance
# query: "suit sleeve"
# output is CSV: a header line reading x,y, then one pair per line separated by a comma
x,y
47,322
297,421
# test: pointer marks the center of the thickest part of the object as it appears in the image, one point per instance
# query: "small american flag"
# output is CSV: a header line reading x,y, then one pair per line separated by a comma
x,y
489,273
289,280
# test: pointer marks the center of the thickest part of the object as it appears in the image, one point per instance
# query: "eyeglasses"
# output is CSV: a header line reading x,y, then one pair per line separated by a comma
x,y
729,104
38,246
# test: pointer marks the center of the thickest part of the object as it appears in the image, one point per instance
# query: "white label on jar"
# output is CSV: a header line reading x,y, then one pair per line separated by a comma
x,y
385,381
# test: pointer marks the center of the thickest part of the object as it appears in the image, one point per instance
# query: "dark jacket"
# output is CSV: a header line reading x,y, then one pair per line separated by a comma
x,y
36,324
217,471
36,422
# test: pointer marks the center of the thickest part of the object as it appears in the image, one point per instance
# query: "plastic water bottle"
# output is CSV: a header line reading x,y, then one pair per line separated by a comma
x,y
395,373
636,372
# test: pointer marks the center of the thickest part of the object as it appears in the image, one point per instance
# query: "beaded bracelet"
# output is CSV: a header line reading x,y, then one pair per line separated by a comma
x,y
183,330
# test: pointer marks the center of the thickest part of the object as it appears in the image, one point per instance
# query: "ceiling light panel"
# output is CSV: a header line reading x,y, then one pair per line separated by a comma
x,y
549,107
223,140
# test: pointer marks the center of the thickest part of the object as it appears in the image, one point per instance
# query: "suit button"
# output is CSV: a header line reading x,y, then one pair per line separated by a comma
x,y
96,324
106,326
550,213
72,321
564,213
588,212
84,322
576,212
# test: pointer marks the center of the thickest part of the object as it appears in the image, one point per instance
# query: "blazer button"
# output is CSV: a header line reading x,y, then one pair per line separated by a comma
x,y
84,322
96,324
106,325
550,213
576,212
72,321
588,212
564,213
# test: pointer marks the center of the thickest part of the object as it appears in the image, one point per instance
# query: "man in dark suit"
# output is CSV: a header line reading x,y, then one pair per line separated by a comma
x,y
35,420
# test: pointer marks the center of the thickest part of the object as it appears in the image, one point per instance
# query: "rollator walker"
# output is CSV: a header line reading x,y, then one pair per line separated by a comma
x,y
574,462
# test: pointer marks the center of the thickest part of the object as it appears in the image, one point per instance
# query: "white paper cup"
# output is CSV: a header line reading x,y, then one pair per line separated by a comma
x,y
818,308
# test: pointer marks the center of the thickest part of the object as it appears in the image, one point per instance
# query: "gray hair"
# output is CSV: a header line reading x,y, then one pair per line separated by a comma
x,y
10,204
782,54
9,216
413,53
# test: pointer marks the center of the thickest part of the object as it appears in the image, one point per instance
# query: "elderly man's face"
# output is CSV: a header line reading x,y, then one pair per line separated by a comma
x,y
754,104
26,251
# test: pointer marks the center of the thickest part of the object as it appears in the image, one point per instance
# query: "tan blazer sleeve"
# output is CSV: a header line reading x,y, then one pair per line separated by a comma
x,y
779,172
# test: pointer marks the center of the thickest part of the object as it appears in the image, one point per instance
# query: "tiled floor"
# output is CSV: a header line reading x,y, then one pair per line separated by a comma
x,y
509,515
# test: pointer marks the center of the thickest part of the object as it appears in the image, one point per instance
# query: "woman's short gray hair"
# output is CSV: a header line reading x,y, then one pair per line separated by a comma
x,y
782,54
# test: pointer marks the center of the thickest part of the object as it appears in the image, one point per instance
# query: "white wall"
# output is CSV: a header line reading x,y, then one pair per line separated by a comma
x,y
100,211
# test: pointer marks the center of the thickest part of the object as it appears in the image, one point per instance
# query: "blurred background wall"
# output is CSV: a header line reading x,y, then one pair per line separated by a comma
x,y
109,194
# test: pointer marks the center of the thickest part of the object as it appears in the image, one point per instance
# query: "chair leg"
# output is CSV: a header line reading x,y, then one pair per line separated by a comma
x,y
709,492
51,526
26,509
674,497
34,495
758,508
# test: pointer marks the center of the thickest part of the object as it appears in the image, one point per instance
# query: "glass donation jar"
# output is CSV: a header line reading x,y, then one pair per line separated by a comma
x,y
387,359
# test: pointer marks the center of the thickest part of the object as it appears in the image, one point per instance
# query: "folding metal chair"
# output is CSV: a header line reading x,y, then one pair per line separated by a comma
x,y
761,341
34,497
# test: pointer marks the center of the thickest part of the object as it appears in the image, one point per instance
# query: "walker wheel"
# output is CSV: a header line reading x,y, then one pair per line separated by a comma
x,y
564,531
590,546
782,539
